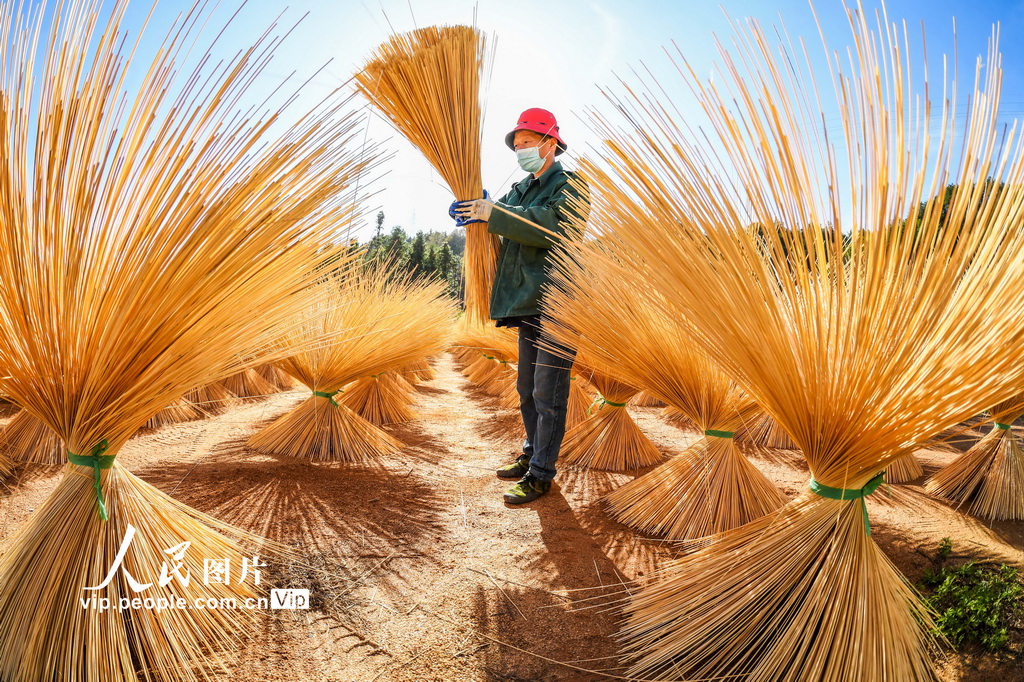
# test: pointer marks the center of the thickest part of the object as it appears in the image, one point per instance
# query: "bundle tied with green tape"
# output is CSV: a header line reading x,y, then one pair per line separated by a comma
x,y
831,493
330,395
98,461
600,401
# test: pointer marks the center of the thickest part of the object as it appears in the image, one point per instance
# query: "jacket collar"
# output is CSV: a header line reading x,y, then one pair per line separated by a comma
x,y
543,180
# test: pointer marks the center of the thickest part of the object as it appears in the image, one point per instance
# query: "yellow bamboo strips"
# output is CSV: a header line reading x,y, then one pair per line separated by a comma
x,y
761,429
711,486
421,370
151,241
181,410
369,323
580,402
27,439
645,399
249,386
861,338
608,439
427,84
212,398
988,479
904,469
275,376
384,398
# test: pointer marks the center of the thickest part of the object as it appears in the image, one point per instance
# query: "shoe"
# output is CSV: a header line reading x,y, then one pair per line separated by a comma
x,y
528,489
516,469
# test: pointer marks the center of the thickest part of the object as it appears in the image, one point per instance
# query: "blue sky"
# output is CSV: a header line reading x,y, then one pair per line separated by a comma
x,y
556,53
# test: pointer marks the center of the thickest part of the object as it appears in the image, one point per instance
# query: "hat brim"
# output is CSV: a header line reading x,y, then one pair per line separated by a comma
x,y
510,138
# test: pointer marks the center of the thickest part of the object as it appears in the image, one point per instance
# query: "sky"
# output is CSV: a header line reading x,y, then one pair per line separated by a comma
x,y
559,54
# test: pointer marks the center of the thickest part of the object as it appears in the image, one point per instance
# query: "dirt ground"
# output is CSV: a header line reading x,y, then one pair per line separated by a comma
x,y
419,571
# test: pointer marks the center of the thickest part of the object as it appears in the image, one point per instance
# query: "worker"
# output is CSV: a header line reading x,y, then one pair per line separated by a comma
x,y
549,204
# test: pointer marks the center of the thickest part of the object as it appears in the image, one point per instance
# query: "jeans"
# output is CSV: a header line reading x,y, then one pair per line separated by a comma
x,y
543,386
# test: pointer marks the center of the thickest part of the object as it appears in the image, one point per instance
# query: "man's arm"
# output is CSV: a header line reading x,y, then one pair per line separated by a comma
x,y
554,216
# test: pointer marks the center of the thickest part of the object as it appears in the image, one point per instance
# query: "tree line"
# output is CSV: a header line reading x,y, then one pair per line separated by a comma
x,y
427,254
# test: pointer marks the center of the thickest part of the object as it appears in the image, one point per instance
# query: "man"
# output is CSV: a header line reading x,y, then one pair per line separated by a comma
x,y
530,218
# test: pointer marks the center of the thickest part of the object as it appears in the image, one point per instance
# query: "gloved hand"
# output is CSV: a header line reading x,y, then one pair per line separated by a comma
x,y
461,211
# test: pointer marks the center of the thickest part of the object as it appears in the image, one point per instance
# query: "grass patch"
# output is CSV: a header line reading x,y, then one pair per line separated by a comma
x,y
975,602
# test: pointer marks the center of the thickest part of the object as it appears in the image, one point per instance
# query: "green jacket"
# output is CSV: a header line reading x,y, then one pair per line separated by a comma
x,y
523,259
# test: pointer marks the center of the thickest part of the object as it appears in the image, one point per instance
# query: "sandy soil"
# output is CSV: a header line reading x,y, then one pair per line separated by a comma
x,y
418,570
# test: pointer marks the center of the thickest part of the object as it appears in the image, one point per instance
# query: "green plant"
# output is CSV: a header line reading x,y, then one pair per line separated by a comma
x,y
975,602
945,547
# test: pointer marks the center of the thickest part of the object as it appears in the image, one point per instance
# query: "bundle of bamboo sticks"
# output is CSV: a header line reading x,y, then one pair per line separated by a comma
x,y
384,398
156,240
366,323
427,83
860,354
761,429
710,486
608,439
988,479
27,439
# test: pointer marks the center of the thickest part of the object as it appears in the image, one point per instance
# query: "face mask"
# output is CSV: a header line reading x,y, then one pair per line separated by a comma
x,y
529,159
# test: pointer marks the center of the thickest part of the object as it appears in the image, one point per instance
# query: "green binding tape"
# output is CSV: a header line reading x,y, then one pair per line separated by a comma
x,y
718,434
1004,427
491,357
329,396
97,460
600,399
850,494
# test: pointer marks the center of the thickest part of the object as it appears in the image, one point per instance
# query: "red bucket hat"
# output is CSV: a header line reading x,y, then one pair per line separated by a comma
x,y
540,121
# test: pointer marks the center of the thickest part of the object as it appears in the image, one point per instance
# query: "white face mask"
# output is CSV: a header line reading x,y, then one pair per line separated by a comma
x,y
530,159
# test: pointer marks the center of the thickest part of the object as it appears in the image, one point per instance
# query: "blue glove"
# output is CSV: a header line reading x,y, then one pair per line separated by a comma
x,y
457,206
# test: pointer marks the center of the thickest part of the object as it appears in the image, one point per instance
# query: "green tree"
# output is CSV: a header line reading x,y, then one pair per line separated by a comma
x,y
430,262
417,253
397,248
445,261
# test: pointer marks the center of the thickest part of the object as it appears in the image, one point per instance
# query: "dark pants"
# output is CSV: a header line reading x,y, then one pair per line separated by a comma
x,y
543,385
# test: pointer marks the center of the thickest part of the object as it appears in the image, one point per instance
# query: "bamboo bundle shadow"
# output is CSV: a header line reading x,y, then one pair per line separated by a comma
x,y
368,323
867,326
159,238
988,479
427,83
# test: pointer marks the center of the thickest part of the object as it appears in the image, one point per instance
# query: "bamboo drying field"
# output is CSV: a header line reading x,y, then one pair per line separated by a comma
x,y
414,563
233,445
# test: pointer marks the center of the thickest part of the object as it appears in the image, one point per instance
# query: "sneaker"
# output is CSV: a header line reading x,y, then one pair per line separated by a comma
x,y
516,469
528,489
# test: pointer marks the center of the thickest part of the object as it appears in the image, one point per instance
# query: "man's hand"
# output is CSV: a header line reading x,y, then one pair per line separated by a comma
x,y
472,211
475,211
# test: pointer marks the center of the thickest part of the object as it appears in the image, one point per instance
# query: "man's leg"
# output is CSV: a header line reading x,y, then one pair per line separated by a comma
x,y
525,384
552,376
